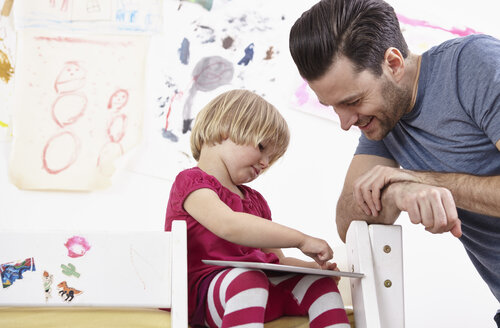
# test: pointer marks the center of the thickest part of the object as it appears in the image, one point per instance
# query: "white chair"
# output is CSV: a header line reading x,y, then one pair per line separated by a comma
x,y
378,297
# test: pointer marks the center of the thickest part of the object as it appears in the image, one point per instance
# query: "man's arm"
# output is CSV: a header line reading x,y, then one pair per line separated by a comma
x,y
347,208
477,194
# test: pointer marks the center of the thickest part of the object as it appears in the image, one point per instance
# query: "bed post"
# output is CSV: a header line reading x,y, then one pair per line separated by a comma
x,y
378,297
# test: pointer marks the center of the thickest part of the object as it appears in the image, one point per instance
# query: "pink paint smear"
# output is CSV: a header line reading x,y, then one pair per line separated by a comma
x,y
422,23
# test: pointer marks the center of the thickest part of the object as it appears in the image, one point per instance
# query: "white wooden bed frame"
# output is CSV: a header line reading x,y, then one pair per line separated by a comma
x,y
120,270
375,250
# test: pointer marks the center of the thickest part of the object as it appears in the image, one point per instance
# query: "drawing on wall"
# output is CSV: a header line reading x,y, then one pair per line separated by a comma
x,y
7,67
87,15
13,271
208,74
116,128
207,4
85,108
62,5
420,36
63,148
6,7
204,52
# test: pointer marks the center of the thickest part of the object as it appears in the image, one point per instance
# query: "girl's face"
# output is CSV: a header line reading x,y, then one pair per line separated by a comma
x,y
244,163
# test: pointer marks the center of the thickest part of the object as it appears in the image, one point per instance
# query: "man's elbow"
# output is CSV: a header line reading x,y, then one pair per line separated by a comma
x,y
342,229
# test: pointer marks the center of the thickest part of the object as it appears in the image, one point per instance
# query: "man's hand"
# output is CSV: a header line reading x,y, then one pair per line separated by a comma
x,y
367,189
433,207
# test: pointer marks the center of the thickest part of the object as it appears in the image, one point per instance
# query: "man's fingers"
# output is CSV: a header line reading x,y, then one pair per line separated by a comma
x,y
376,198
361,202
456,230
426,212
440,214
414,213
454,223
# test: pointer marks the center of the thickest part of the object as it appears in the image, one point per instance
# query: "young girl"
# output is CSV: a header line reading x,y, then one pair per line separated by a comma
x,y
236,137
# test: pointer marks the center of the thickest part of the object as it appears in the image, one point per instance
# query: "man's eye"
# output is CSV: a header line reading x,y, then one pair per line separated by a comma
x,y
354,103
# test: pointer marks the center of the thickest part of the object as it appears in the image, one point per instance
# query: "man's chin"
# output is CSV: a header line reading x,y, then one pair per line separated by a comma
x,y
375,136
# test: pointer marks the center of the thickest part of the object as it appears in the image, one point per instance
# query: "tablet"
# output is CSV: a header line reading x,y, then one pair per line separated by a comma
x,y
285,268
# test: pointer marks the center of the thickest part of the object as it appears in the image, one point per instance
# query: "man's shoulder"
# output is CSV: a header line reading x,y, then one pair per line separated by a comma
x,y
473,41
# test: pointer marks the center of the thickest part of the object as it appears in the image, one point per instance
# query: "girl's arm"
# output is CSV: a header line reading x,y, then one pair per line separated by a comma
x,y
297,262
291,260
286,260
245,229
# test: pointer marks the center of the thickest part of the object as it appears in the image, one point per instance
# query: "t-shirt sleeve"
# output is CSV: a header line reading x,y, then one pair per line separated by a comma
x,y
185,183
372,147
478,80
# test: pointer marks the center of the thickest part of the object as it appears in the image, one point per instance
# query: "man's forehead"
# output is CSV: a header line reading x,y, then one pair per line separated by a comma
x,y
342,83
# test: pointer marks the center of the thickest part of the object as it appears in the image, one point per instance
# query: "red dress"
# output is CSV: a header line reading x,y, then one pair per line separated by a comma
x,y
203,244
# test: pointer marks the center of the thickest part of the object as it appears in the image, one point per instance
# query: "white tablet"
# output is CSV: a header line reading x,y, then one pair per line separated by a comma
x,y
280,267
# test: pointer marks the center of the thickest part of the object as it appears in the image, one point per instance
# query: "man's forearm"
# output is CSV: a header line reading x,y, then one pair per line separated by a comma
x,y
479,194
348,210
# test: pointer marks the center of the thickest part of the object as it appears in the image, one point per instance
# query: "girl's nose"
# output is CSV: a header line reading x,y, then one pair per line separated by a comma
x,y
264,161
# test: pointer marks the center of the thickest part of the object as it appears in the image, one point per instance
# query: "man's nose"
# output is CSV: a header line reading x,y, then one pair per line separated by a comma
x,y
347,119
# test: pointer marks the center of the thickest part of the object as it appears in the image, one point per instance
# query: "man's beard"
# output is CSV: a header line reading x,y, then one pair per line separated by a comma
x,y
397,103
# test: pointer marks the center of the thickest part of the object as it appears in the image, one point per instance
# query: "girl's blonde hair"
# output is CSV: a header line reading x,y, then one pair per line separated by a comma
x,y
243,117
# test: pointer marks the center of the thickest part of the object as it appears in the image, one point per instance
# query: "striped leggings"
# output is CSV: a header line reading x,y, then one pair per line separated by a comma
x,y
248,298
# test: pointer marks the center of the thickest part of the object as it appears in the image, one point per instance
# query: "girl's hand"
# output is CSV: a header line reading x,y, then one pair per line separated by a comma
x,y
317,249
333,266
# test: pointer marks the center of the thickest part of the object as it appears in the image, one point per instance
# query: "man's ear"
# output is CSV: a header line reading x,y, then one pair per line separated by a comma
x,y
394,63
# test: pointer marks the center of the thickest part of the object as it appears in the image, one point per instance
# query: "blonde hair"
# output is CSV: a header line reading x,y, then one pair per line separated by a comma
x,y
243,117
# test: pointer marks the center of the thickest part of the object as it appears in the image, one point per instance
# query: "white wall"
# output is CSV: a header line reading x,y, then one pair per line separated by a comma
x,y
442,289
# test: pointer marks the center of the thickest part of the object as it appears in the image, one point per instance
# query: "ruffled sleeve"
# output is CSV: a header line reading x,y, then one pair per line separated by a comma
x,y
261,208
188,181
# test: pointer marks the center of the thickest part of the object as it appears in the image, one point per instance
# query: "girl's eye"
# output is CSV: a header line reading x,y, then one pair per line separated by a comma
x,y
261,147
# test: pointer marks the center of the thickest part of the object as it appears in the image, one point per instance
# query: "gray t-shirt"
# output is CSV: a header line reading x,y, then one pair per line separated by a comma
x,y
454,127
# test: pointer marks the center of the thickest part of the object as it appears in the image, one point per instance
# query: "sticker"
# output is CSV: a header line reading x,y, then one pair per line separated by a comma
x,y
68,292
47,284
12,271
77,246
69,270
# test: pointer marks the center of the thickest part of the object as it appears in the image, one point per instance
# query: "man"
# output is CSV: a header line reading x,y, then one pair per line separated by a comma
x,y
430,124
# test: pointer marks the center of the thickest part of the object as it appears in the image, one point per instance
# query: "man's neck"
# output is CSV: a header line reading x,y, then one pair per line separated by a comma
x,y
413,63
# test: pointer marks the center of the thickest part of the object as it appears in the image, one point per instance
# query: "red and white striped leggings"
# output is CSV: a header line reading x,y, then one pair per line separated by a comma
x,y
248,298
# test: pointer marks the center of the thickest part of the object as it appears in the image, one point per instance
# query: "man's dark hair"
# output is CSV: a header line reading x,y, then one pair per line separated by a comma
x,y
360,30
